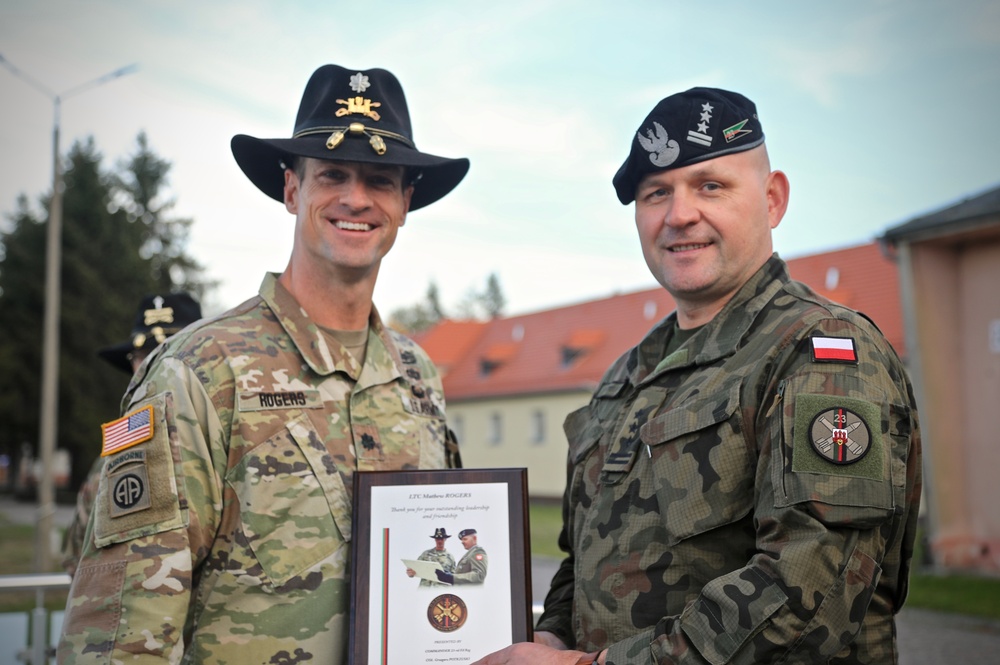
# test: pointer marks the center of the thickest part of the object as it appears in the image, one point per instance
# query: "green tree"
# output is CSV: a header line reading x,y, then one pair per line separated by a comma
x,y
486,304
421,316
111,258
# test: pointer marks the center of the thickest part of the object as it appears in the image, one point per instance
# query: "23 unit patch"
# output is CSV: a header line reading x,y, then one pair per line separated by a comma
x,y
840,436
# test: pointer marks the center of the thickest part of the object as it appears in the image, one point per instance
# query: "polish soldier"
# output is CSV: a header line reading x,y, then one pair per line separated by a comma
x,y
471,568
222,528
743,486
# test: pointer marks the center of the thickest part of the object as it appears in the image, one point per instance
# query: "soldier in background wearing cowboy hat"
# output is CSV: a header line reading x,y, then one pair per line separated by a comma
x,y
222,527
437,554
157,318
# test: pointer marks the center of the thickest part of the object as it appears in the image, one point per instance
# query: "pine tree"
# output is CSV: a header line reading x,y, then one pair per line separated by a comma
x,y
111,257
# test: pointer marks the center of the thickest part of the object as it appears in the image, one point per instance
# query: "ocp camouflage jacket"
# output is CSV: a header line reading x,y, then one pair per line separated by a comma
x,y
225,536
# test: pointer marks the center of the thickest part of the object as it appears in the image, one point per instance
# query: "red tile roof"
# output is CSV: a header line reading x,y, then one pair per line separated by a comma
x,y
863,279
449,341
570,347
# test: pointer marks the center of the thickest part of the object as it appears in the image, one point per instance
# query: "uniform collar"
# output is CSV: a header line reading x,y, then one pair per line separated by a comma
x,y
718,338
382,361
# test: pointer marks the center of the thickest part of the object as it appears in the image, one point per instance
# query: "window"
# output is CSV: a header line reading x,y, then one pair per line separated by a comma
x,y
495,434
457,424
538,427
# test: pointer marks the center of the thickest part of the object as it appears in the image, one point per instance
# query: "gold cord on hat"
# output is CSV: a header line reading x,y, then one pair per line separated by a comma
x,y
374,136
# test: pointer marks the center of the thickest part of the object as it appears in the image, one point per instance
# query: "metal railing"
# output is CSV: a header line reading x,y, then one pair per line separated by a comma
x,y
38,651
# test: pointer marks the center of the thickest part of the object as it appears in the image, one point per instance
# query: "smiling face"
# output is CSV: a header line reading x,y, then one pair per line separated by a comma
x,y
347,216
705,229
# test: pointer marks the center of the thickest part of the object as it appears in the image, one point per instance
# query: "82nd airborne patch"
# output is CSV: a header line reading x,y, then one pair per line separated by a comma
x,y
840,435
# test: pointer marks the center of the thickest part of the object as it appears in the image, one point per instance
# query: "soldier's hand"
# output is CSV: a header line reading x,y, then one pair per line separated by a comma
x,y
529,653
411,572
549,640
447,578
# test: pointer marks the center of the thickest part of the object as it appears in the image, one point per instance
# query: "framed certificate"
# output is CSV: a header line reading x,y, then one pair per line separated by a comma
x,y
441,565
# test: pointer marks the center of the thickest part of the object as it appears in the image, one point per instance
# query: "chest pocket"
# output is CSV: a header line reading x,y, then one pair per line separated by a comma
x,y
702,470
294,508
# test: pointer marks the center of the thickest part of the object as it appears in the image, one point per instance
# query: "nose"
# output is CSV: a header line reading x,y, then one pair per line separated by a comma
x,y
683,208
355,194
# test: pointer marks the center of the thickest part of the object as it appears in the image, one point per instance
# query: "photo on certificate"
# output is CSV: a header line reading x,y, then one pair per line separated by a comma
x,y
441,565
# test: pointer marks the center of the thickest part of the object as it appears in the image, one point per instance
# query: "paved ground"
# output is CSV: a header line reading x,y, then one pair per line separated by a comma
x,y
925,638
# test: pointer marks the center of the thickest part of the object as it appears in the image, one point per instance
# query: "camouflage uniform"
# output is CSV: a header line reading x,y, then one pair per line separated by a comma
x,y
72,543
234,546
703,526
471,568
442,557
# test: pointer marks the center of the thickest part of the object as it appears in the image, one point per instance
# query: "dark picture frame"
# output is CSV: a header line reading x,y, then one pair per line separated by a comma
x,y
396,618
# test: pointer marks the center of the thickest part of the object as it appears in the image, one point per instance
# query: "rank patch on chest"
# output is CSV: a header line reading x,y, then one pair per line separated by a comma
x,y
833,350
368,443
129,430
840,436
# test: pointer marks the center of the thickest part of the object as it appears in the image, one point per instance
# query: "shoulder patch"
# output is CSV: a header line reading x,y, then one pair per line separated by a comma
x,y
833,350
836,435
129,430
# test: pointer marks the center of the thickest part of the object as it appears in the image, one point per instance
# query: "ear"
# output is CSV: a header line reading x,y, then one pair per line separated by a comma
x,y
291,191
407,196
777,197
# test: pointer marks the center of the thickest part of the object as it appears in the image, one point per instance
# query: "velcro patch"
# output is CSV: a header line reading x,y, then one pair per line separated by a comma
x,y
129,490
139,493
839,436
289,399
833,350
368,443
129,430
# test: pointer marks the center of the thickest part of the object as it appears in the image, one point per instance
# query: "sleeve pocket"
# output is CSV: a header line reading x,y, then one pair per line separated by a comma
x,y
140,493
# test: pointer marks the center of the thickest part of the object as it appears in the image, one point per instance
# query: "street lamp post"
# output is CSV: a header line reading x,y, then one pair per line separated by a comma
x,y
50,344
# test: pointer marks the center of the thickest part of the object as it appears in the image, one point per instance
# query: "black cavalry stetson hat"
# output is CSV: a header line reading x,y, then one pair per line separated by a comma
x,y
158,318
441,533
350,116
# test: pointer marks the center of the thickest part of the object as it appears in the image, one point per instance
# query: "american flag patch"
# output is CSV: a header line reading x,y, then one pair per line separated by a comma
x,y
833,349
127,431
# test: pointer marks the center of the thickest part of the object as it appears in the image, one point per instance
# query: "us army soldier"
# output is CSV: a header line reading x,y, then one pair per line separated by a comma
x,y
222,526
743,486
437,554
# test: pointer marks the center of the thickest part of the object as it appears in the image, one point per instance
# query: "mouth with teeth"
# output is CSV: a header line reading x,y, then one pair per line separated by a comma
x,y
689,247
352,226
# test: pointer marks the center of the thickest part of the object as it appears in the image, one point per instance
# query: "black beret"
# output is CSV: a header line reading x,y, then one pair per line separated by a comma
x,y
466,532
687,128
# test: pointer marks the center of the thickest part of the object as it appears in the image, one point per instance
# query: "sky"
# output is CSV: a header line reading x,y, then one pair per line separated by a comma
x,y
878,111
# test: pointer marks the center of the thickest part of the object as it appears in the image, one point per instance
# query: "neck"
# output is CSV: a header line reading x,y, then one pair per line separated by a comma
x,y
332,303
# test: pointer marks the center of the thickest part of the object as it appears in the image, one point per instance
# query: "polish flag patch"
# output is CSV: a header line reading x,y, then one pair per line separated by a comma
x,y
833,350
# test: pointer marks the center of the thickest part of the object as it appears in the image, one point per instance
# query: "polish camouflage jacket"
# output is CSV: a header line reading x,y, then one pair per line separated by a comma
x,y
224,537
442,557
749,498
471,568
